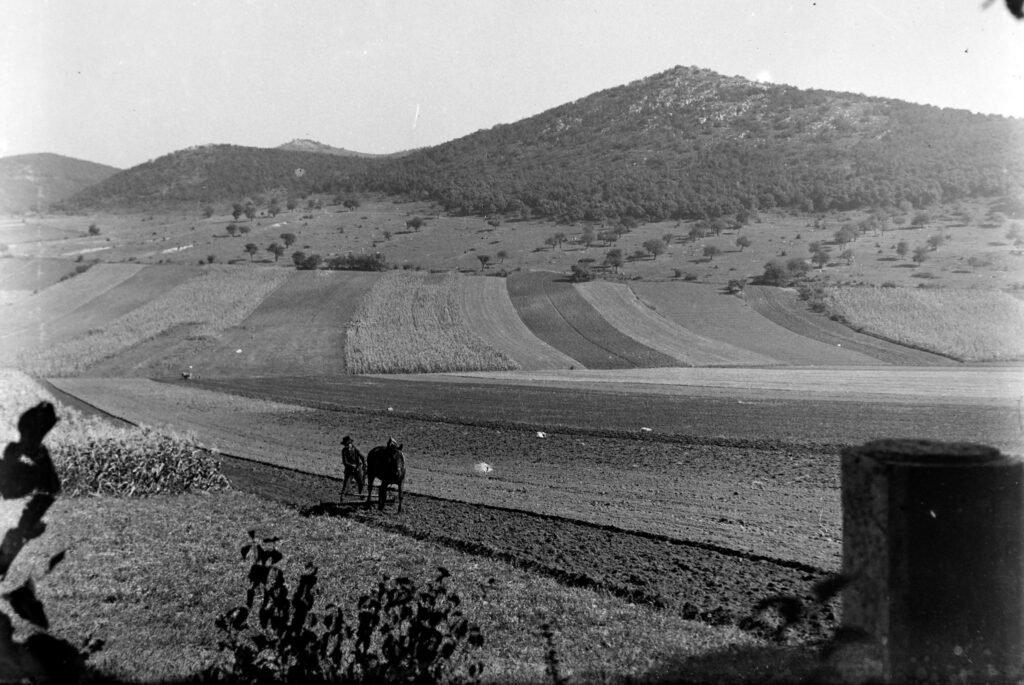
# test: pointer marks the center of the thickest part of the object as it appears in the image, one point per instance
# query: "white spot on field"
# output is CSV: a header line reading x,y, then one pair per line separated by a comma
x,y
391,408
646,429
541,434
238,351
483,468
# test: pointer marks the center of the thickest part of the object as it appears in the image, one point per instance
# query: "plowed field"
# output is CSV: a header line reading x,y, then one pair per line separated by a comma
x,y
550,307
485,302
621,308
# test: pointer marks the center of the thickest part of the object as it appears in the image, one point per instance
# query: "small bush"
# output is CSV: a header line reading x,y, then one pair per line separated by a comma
x,y
400,634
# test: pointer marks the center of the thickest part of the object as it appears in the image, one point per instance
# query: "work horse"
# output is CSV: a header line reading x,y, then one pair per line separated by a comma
x,y
387,463
355,465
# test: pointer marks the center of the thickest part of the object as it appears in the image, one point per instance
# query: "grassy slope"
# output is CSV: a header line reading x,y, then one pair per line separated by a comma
x,y
711,313
155,604
784,307
32,274
485,303
621,308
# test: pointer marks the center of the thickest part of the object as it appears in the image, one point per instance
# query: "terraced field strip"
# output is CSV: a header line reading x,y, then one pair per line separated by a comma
x,y
412,322
30,273
707,311
147,284
784,307
485,302
66,296
298,329
969,325
550,307
219,298
780,504
620,307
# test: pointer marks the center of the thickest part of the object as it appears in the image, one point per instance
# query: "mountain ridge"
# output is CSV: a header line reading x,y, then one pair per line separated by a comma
x,y
36,181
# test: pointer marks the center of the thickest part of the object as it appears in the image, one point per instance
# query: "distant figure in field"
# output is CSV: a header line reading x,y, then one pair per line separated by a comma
x,y
354,463
187,374
386,462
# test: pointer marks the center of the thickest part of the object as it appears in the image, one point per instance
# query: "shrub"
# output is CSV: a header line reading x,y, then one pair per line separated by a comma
x,y
401,633
361,262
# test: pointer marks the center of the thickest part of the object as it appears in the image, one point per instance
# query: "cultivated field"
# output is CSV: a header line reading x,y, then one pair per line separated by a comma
x,y
963,324
617,304
212,302
486,304
411,322
784,307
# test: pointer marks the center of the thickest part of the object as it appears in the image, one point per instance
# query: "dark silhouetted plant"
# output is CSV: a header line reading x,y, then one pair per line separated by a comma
x,y
400,633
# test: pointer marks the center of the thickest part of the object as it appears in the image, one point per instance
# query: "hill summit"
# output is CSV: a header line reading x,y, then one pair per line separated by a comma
x,y
307,145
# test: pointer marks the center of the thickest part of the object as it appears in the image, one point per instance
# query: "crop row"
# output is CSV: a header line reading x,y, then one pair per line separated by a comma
x,y
970,325
412,322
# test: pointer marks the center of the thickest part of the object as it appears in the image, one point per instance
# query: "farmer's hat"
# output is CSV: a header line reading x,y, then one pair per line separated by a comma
x,y
347,440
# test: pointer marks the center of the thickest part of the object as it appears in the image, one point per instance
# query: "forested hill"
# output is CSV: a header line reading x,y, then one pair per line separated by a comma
x,y
686,143
37,181
689,142
222,172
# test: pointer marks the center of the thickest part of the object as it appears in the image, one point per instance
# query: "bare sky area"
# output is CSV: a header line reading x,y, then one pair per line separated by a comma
x,y
122,81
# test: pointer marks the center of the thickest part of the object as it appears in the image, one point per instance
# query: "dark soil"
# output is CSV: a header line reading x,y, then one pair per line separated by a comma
x,y
698,581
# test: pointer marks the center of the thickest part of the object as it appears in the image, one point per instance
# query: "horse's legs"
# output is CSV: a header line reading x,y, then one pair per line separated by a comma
x,y
383,494
399,497
369,490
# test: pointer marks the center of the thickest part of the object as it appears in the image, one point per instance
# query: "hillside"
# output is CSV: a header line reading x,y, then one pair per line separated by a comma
x,y
683,144
221,172
37,181
688,143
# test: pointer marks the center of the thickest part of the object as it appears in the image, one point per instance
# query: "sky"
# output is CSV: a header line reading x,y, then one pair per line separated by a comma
x,y
120,82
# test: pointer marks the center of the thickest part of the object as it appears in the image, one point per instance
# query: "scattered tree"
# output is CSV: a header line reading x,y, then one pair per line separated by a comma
x,y
252,250
288,238
935,242
902,247
484,259
588,236
232,229
244,229
291,204
820,258
237,210
920,253
581,273
655,247
275,249
848,256
387,235
920,220
414,223
351,203
502,255
250,211
207,211
710,251
274,208
94,229
667,239
559,239
742,242
298,257
613,258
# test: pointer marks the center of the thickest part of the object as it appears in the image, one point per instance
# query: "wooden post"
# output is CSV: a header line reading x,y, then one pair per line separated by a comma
x,y
933,542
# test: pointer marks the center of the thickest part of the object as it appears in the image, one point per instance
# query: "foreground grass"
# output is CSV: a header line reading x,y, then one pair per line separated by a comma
x,y
970,325
412,322
217,300
150,575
